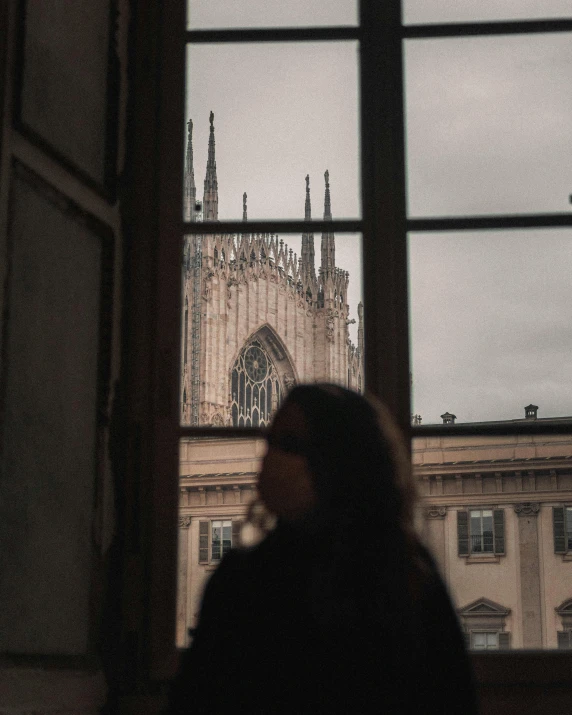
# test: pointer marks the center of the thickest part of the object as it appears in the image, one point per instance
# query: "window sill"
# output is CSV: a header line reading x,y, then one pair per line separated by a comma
x,y
482,559
567,556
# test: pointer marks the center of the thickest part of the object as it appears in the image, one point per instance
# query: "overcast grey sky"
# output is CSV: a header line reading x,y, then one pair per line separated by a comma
x,y
489,129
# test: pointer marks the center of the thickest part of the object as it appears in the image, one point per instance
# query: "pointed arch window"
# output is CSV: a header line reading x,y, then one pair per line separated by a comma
x,y
255,387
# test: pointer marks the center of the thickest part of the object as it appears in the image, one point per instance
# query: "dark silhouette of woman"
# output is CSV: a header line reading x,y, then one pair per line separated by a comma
x,y
339,609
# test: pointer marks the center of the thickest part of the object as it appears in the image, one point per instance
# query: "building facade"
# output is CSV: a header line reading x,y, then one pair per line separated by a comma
x,y
496,513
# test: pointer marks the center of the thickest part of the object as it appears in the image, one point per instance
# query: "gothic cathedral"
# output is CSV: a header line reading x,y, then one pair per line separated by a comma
x,y
256,319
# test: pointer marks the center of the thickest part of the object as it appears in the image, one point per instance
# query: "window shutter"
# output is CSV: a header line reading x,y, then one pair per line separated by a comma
x,y
504,641
559,530
236,527
463,532
563,640
467,637
203,542
498,530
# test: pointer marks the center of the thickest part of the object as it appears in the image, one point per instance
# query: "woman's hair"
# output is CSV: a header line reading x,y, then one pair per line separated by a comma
x,y
359,463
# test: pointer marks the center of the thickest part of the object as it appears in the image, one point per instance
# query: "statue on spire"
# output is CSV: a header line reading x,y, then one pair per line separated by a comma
x,y
327,203
308,206
244,214
211,119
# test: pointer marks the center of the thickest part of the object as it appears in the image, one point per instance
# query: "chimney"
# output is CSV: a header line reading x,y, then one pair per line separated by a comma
x,y
531,412
448,418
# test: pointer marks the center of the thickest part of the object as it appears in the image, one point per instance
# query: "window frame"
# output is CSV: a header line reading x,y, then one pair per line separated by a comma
x,y
384,227
465,542
481,534
485,633
210,522
566,535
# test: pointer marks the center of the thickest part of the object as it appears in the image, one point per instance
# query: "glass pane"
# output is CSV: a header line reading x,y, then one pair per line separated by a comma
x,y
261,13
519,590
422,11
217,483
490,325
280,112
478,640
489,122
260,315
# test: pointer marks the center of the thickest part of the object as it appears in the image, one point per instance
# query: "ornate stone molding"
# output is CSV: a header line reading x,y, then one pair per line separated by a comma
x,y
184,522
527,508
435,512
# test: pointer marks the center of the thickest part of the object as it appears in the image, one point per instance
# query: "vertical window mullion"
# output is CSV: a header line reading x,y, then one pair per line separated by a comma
x,y
383,191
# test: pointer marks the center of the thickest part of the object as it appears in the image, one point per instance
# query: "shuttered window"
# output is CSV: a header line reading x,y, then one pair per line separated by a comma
x,y
564,640
480,531
217,537
562,526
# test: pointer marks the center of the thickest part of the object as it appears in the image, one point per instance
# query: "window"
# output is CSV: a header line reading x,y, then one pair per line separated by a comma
x,y
484,640
216,538
480,531
485,625
564,637
489,640
221,539
384,220
562,526
255,387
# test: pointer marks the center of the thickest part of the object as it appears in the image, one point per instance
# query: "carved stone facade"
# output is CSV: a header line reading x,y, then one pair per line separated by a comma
x,y
251,289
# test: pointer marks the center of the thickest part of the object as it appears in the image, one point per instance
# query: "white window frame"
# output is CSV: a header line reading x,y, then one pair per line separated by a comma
x,y
224,523
481,533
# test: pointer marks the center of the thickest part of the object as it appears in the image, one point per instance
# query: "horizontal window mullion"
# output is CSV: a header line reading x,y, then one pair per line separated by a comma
x,y
492,429
476,29
479,223
226,432
272,226
274,34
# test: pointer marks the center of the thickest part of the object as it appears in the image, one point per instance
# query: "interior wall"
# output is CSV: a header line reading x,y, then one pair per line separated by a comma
x,y
63,124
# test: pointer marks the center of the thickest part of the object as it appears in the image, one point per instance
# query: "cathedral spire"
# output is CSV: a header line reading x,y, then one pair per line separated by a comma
x,y
308,269
244,213
190,189
328,241
210,196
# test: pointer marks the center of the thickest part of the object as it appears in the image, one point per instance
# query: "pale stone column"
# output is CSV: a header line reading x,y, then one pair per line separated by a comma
x,y
182,568
435,531
529,574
